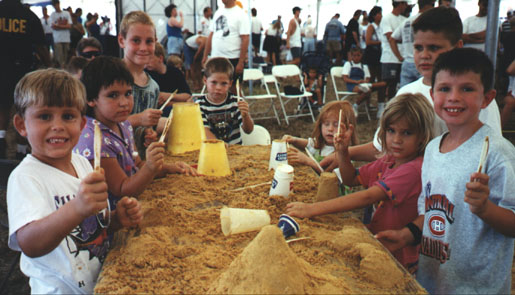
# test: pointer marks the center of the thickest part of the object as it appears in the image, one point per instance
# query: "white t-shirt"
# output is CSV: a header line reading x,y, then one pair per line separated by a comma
x,y
325,151
295,37
61,36
490,115
475,24
350,64
256,25
389,23
205,26
363,35
404,33
34,191
192,41
47,25
227,26
309,31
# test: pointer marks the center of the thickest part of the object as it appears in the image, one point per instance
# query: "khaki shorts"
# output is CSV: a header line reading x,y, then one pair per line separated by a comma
x,y
333,46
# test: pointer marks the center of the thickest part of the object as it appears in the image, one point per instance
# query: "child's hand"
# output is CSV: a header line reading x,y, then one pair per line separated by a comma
x,y
393,240
343,140
92,196
288,138
149,137
129,213
297,157
183,168
150,117
477,193
244,108
155,156
298,209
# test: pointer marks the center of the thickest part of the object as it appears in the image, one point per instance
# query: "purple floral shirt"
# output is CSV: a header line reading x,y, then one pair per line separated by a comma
x,y
113,146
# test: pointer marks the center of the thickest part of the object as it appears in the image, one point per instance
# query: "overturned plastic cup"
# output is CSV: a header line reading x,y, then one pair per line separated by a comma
x,y
278,154
238,220
288,225
282,183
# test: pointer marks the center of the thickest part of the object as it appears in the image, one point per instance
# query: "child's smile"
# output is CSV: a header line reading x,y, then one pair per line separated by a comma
x,y
139,44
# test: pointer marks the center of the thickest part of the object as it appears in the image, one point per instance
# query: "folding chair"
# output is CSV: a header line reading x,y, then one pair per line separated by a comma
x,y
257,75
283,71
337,72
258,136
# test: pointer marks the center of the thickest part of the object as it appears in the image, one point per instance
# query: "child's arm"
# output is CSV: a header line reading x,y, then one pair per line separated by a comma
x,y
346,79
179,168
128,213
149,117
297,157
122,185
341,147
248,123
349,202
394,240
209,134
476,195
42,236
300,143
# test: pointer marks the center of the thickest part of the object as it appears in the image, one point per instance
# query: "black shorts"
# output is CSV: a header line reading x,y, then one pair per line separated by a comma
x,y
296,52
235,76
256,41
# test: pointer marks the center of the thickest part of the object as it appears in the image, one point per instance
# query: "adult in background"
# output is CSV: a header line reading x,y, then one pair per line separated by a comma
x,y
92,26
333,36
373,50
390,63
256,27
78,13
404,34
174,30
76,33
272,42
61,23
193,52
20,38
205,22
310,36
229,37
363,26
474,27
505,26
293,37
352,33
47,29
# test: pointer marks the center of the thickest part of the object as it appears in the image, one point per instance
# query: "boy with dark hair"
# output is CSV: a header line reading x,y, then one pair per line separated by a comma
x,y
89,48
75,66
465,212
222,112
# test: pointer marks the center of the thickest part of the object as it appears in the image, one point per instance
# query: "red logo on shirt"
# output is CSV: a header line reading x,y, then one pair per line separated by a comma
x,y
437,225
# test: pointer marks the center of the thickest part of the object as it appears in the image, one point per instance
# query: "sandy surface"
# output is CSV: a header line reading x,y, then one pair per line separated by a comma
x,y
180,247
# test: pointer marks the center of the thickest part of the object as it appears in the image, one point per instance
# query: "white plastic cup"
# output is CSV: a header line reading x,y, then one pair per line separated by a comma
x,y
278,154
237,220
282,184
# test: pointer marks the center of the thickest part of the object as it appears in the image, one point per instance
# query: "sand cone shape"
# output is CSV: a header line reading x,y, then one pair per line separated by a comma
x,y
186,132
212,159
327,187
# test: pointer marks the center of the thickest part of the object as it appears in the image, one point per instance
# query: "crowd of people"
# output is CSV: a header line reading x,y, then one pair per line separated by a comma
x,y
435,108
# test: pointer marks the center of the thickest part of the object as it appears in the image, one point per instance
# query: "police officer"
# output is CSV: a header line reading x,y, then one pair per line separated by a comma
x,y
21,35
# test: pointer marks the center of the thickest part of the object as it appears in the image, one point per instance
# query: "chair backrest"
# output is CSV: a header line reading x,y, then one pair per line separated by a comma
x,y
285,70
252,74
336,72
258,136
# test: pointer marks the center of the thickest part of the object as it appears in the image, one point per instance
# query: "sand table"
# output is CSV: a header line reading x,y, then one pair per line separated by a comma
x,y
180,248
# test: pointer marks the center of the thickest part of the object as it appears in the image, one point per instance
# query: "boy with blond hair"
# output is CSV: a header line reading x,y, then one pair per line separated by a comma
x,y
54,197
466,221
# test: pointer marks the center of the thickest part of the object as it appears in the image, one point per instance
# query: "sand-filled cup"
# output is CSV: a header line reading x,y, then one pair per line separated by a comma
x,y
327,186
278,154
186,131
288,225
212,158
282,183
238,220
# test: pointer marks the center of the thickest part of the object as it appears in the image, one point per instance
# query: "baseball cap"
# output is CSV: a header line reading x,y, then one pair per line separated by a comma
x,y
296,8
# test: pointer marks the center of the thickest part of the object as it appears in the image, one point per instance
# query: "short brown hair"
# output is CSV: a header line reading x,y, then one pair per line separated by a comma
x,y
135,17
159,50
219,65
49,87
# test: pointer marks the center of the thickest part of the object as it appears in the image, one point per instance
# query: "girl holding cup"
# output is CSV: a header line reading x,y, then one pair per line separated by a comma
x,y
392,182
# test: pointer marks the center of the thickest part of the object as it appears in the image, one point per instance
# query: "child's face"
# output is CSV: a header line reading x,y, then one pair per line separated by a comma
x,y
154,63
139,44
51,131
356,56
312,74
114,104
329,128
401,142
459,98
218,85
428,46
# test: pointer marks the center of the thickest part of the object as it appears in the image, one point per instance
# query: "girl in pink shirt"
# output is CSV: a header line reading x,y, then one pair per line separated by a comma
x,y
393,181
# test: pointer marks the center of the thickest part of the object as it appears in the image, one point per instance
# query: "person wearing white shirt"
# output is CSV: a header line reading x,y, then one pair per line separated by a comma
x,y
257,27
61,23
205,22
474,27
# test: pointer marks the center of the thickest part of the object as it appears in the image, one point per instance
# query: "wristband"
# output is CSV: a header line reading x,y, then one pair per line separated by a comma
x,y
416,232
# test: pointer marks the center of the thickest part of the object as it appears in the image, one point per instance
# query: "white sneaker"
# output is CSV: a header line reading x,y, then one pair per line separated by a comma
x,y
355,108
380,109
365,87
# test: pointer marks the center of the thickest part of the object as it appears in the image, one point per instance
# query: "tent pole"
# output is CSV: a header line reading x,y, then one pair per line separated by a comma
x,y
250,56
318,16
492,29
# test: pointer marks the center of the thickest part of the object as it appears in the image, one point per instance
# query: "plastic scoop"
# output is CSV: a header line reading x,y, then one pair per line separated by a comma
x,y
484,153
167,126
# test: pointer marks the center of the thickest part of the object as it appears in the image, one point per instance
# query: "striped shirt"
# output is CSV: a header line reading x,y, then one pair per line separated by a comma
x,y
222,119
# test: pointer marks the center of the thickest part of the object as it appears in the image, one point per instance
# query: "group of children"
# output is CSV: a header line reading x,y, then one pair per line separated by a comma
x,y
441,208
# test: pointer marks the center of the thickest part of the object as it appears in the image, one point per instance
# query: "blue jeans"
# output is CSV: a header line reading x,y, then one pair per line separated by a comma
x,y
175,45
409,73
309,45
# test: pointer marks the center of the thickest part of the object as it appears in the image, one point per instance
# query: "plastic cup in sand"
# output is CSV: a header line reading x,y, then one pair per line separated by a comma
x,y
186,131
238,220
282,183
212,158
278,154
327,186
288,225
